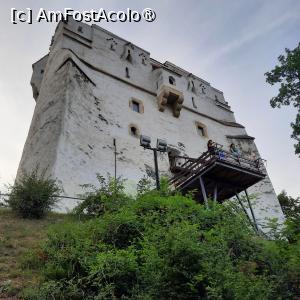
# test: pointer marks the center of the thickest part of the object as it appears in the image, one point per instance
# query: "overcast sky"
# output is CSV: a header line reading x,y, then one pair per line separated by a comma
x,y
231,44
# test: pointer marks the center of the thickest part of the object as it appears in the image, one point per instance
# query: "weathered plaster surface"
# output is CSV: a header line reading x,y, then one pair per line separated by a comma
x,y
83,99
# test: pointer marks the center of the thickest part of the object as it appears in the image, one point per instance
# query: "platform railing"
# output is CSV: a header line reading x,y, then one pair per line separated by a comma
x,y
256,164
186,167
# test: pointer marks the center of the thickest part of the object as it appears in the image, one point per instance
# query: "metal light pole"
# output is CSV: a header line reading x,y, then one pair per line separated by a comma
x,y
156,168
161,146
115,155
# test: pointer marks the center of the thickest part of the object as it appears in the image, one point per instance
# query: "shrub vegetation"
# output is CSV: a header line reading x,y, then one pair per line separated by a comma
x,y
32,195
164,246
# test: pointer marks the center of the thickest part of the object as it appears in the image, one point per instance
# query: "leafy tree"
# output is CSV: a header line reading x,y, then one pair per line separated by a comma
x,y
287,73
291,209
289,205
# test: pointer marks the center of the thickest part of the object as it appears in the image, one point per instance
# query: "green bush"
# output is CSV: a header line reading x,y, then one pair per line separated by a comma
x,y
162,246
32,195
109,196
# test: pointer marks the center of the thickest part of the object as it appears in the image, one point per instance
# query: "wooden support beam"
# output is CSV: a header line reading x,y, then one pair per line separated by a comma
x,y
251,210
216,192
203,191
245,211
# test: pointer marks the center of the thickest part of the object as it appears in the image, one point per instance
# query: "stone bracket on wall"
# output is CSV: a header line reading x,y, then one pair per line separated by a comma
x,y
171,97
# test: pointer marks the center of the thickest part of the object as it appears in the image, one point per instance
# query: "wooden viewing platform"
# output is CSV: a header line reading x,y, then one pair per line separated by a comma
x,y
221,174
218,175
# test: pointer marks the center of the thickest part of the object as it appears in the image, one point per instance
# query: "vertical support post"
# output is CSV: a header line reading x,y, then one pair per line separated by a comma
x,y
203,191
244,209
251,210
115,145
216,192
156,168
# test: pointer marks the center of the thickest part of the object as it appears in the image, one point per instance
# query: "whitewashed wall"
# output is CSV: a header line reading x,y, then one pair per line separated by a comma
x,y
83,96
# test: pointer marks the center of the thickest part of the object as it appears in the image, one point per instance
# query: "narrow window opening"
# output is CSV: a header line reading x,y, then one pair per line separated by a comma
x,y
127,72
193,87
171,80
202,88
129,57
201,130
135,106
133,130
194,104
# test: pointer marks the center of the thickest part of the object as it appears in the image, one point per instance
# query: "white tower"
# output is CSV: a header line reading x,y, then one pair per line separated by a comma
x,y
94,87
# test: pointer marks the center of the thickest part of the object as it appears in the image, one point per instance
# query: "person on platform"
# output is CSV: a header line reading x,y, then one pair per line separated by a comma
x,y
211,147
255,159
234,151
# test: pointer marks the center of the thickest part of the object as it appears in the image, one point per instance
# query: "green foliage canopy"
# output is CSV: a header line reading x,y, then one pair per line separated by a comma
x,y
287,73
289,205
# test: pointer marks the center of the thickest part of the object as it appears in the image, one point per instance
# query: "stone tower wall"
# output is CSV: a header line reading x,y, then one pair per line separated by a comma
x,y
84,90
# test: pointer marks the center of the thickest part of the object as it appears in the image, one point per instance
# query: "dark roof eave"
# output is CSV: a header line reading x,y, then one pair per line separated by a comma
x,y
240,137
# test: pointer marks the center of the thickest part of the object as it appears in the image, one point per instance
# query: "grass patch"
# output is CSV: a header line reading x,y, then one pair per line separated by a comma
x,y
19,244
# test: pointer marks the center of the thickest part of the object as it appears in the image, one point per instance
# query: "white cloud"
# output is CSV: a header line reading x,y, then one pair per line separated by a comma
x,y
253,33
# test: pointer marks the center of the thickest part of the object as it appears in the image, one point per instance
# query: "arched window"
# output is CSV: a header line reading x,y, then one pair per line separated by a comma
x,y
172,80
134,131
